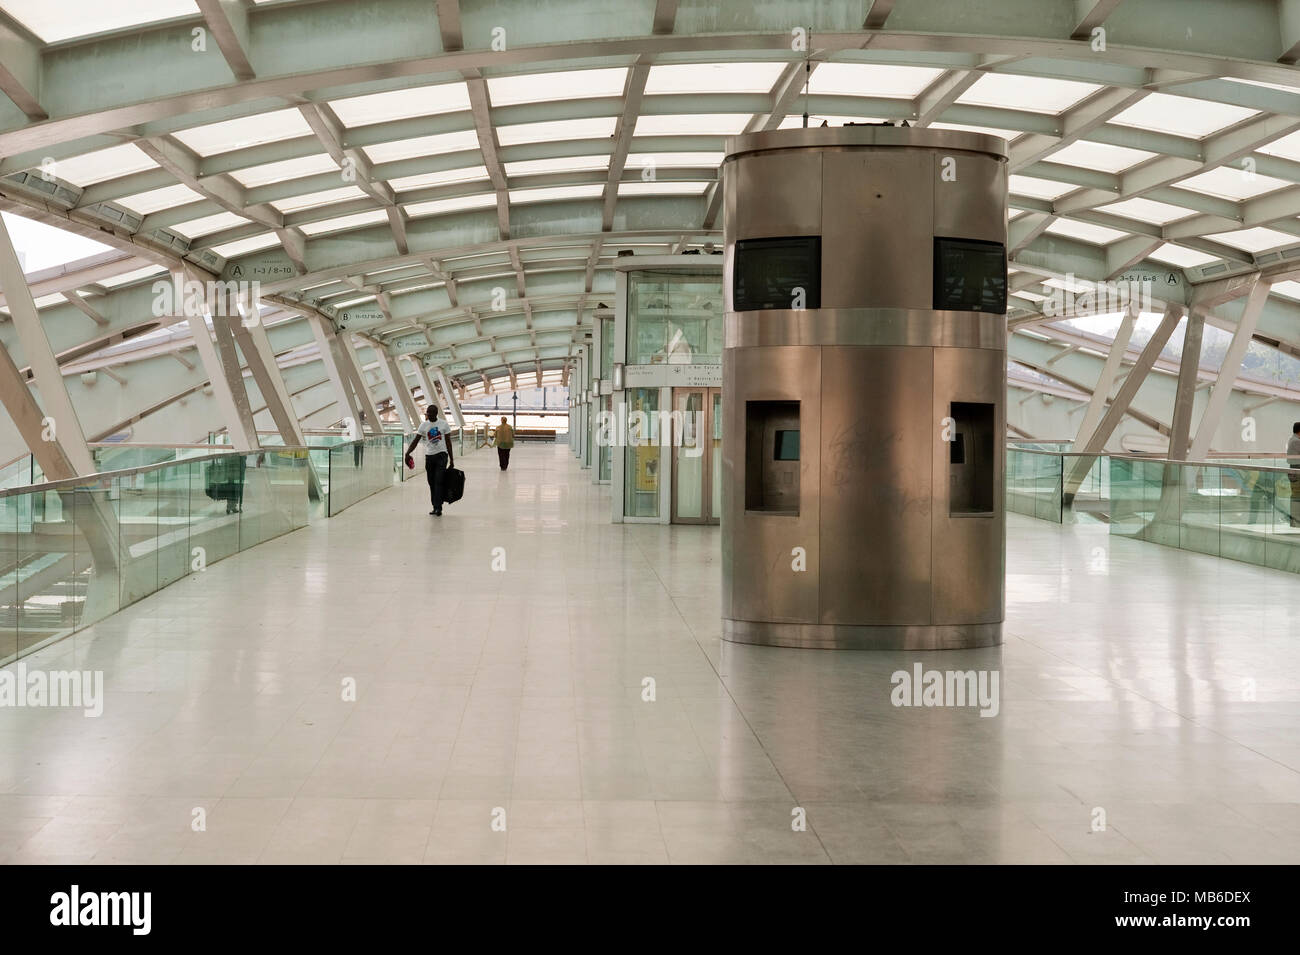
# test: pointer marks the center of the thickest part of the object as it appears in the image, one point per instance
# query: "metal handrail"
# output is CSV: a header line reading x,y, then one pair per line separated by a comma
x,y
87,480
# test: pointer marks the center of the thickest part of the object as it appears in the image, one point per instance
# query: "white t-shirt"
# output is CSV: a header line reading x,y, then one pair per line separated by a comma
x,y
435,436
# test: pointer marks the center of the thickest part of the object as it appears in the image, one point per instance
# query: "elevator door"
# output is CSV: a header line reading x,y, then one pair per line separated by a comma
x,y
697,455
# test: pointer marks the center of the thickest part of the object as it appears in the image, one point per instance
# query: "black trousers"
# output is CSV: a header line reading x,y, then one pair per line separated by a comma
x,y
503,457
435,469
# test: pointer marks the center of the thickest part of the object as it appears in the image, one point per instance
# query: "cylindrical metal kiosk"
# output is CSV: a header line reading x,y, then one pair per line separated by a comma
x,y
864,384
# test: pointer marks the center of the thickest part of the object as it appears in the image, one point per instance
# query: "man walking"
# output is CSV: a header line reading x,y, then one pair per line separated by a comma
x,y
435,435
504,440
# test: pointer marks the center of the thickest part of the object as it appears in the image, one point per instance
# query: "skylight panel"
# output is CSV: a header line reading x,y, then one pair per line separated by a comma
x,y
246,131
438,144
40,246
209,224
273,172
54,22
345,222
1181,115
662,188
1038,188
103,165
871,79
1254,240
1288,147
816,119
1035,94
156,199
557,86
296,203
1084,231
599,127
1182,257
1100,156
589,191
685,124
1148,211
459,204
674,160
135,275
527,167
443,178
1007,134
1289,289
1231,183
244,246
401,104
713,78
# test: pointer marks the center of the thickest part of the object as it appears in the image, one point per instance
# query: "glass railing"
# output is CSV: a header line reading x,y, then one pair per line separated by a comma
x,y
358,469
1250,514
72,552
1034,483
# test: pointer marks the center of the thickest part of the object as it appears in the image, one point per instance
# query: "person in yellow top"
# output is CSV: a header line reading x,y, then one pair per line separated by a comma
x,y
504,440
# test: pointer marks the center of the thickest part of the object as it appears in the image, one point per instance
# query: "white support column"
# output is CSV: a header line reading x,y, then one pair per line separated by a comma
x,y
458,419
329,356
1180,422
47,378
1106,381
1201,444
266,370
396,382
422,375
357,375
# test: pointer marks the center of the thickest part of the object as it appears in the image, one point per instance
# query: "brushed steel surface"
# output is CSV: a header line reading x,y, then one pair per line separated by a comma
x,y
877,239
759,580
876,438
848,637
819,139
876,371
865,326
968,576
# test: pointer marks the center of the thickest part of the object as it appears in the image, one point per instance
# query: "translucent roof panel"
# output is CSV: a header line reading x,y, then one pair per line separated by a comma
x,y
1181,115
1007,134
273,172
715,124
244,246
103,165
135,275
673,160
1254,240
552,87
871,79
209,224
1085,231
598,127
296,203
40,246
247,131
422,146
528,167
1038,188
1101,156
713,77
1147,210
446,177
661,188
1289,289
1231,183
1288,147
589,191
1035,94
401,104
1181,257
156,199
441,206
67,19
795,121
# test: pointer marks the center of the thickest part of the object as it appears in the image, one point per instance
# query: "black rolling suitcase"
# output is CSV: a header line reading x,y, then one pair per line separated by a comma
x,y
453,485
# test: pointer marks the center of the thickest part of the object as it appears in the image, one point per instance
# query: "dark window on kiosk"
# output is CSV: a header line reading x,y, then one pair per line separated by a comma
x,y
970,275
971,458
786,446
767,272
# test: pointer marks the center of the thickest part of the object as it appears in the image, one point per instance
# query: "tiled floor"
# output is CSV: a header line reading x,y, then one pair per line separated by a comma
x,y
1156,686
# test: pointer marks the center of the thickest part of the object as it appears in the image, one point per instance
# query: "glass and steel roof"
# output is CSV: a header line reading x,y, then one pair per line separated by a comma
x,y
392,172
